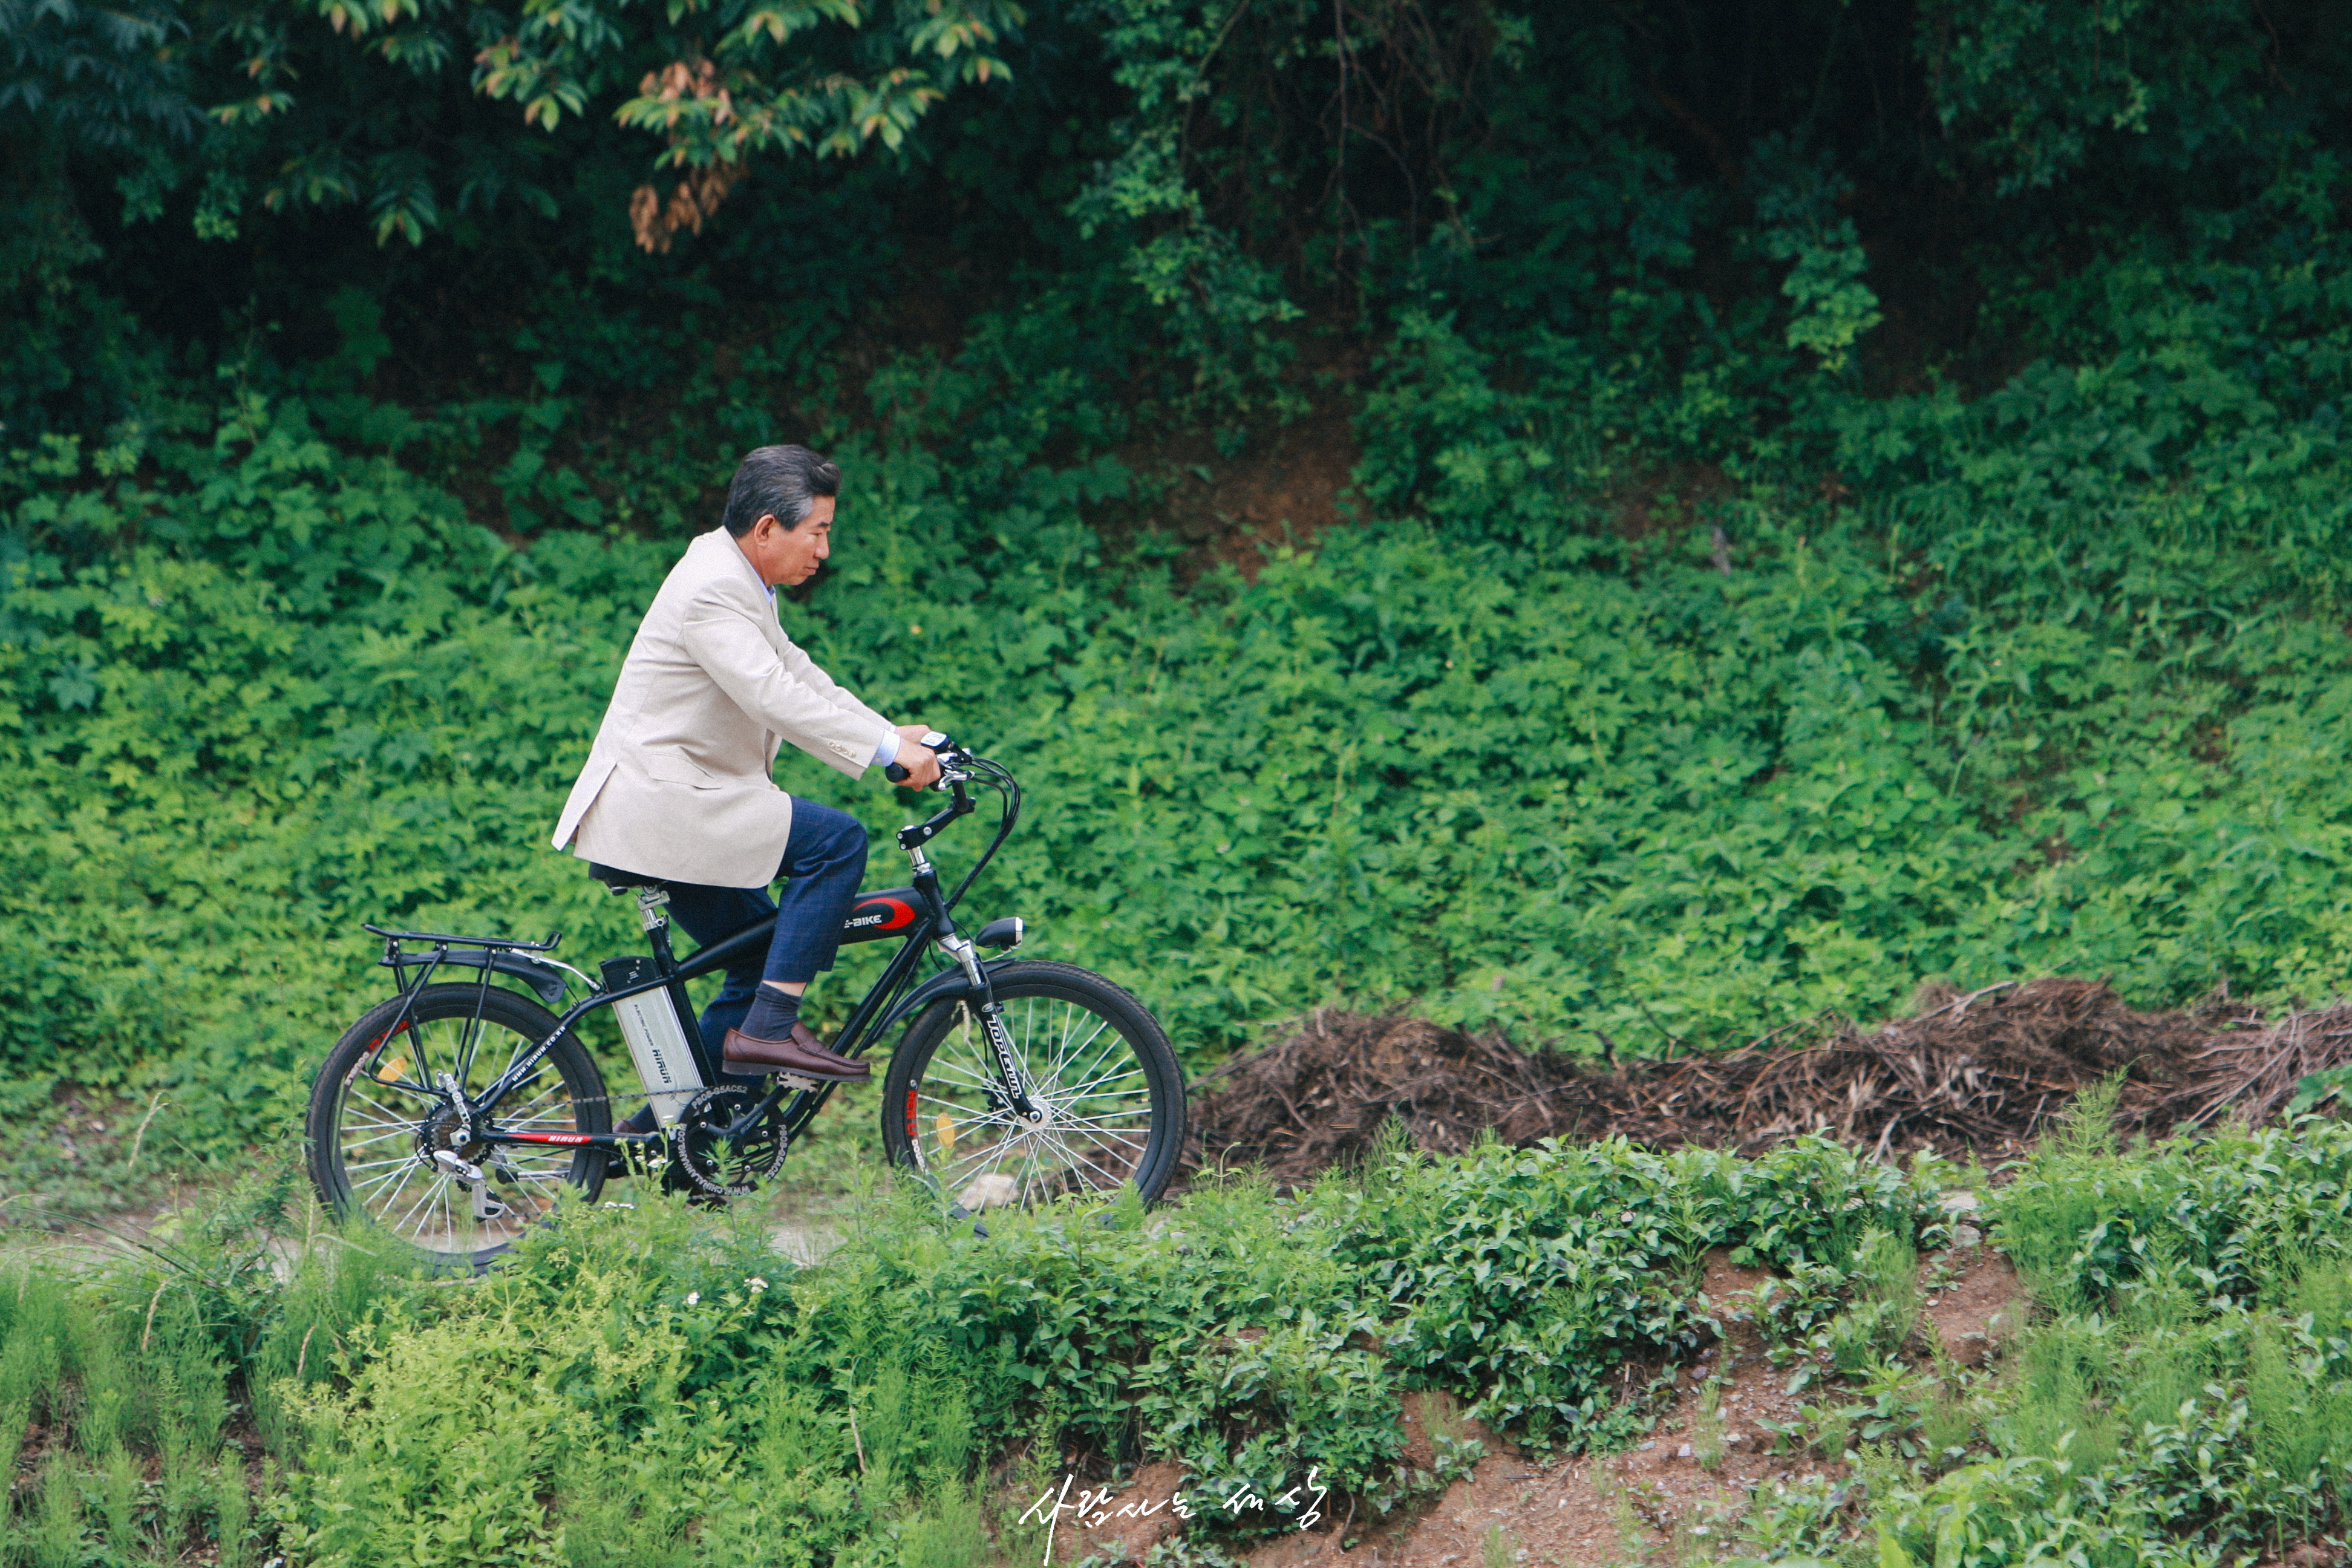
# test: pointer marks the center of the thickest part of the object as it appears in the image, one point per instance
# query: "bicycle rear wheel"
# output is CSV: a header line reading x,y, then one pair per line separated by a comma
x,y
1098,1066
375,1122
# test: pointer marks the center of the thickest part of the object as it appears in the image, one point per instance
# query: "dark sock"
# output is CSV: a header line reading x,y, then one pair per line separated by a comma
x,y
643,1122
773,1012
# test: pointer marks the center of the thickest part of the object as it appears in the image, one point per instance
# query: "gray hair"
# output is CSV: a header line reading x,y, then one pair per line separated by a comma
x,y
782,480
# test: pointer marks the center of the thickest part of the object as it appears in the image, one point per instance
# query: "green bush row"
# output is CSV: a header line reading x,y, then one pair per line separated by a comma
x,y
655,1383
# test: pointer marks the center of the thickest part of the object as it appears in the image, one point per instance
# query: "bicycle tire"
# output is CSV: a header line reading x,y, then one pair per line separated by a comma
x,y
397,1188
1095,1142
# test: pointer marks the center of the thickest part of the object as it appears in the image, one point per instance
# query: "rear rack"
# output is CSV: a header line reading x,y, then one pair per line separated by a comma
x,y
444,939
500,956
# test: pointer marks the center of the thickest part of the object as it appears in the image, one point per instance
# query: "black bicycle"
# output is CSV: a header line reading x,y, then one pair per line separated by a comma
x,y
453,1112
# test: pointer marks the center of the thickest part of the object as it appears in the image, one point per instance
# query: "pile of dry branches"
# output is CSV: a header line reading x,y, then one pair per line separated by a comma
x,y
1976,1073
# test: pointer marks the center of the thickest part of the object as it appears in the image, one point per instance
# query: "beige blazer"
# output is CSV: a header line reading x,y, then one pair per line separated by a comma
x,y
677,784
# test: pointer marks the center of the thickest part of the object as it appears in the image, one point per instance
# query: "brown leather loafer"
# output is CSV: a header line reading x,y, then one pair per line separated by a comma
x,y
803,1055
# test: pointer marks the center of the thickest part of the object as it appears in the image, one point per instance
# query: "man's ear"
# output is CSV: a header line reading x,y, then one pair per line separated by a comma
x,y
765,519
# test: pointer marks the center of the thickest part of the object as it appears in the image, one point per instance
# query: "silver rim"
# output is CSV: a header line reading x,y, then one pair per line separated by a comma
x,y
1082,1073
384,1133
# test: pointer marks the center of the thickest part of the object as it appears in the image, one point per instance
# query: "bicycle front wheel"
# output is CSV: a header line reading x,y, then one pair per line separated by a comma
x,y
1098,1067
377,1121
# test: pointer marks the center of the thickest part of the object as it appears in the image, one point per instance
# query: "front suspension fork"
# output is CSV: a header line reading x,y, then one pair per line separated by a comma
x,y
982,997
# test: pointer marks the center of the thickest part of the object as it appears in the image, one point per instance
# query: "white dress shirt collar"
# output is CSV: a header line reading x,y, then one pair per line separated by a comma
x,y
735,548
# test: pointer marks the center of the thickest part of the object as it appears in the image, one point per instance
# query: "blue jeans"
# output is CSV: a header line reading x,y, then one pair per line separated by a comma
x,y
824,860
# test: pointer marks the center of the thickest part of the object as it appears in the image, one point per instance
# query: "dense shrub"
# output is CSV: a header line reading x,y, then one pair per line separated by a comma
x,y
676,1380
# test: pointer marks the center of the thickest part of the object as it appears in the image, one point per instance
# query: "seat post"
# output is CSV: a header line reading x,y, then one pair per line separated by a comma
x,y
649,910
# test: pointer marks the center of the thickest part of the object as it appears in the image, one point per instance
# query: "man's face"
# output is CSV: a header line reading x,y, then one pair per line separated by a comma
x,y
786,557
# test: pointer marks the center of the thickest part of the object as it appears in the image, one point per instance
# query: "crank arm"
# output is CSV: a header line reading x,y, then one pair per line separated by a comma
x,y
741,1128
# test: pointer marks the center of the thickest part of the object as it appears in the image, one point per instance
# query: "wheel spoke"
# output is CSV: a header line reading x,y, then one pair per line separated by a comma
x,y
434,1183
1072,1158
1081,1090
1069,1056
1091,1122
950,1108
377,1183
1100,1057
390,1115
1132,1153
378,1165
964,1075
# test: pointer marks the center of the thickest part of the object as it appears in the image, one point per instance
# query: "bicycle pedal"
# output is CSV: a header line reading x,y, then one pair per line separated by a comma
x,y
795,1082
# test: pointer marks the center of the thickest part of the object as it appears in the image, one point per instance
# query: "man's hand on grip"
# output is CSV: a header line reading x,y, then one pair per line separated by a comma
x,y
921,764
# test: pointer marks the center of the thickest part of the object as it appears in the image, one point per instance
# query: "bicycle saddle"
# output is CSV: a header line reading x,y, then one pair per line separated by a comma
x,y
615,878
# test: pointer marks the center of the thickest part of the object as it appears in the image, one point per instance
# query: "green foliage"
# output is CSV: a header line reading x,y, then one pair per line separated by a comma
x,y
267,685
2041,86
2218,1214
678,1389
655,1384
2188,1413
1885,1305
1660,691
1655,689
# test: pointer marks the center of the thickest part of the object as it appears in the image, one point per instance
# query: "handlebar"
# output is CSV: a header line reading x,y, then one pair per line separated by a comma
x,y
958,769
945,748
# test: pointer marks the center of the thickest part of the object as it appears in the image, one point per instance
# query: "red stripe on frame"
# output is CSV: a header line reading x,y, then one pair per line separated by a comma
x,y
902,913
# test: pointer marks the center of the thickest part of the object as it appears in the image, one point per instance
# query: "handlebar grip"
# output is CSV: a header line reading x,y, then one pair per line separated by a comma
x,y
898,774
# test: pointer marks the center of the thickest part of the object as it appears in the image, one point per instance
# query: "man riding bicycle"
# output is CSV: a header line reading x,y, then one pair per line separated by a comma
x,y
677,786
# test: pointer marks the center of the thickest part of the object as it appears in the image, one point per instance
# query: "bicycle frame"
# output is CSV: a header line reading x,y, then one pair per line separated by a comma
x,y
892,998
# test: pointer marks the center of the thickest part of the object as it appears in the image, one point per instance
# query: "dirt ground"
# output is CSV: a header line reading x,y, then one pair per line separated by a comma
x,y
1650,1504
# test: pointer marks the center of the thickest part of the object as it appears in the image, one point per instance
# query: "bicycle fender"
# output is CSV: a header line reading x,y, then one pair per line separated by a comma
x,y
951,983
543,978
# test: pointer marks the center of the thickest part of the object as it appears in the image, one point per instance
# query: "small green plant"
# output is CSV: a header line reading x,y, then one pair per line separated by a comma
x,y
1832,1432
1036,1474
946,1531
1788,1310
2069,1188
55,1536
1700,1533
1497,1550
1633,1532
1857,1337
2301,1418
1455,1453
1945,1425
2058,1408
1708,1427
233,1510
121,1485
1791,1522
